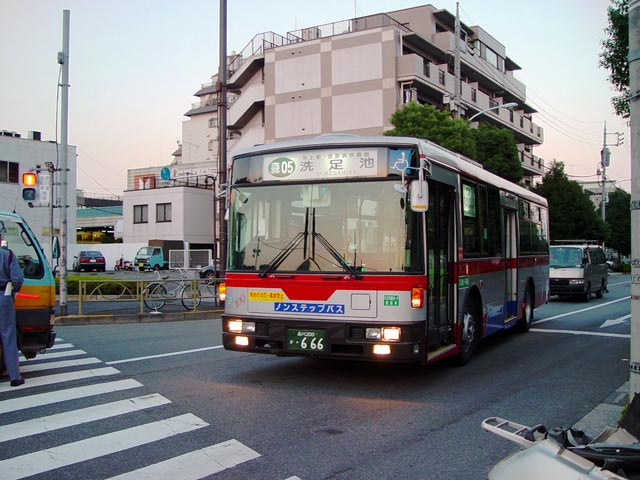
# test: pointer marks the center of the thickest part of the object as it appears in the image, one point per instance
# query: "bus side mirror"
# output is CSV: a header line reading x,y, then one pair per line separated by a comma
x,y
419,196
55,247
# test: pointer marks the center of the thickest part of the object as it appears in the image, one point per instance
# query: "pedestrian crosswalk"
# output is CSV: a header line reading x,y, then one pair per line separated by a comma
x,y
121,417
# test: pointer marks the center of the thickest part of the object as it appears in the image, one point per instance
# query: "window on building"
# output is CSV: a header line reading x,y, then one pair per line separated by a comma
x,y
511,116
213,122
474,95
141,214
210,145
441,77
9,172
163,212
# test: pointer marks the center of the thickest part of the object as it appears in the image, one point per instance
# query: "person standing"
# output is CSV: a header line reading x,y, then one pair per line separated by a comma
x,y
10,283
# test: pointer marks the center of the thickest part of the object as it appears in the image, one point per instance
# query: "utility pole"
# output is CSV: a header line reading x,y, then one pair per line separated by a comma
x,y
456,66
222,135
604,162
634,116
63,59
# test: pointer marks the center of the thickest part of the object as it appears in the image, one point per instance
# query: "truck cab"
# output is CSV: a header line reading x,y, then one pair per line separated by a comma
x,y
150,258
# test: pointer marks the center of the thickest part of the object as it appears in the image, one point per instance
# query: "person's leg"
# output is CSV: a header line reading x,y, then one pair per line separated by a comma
x,y
8,335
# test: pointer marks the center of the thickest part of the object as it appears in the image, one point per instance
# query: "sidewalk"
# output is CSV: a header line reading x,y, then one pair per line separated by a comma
x,y
607,414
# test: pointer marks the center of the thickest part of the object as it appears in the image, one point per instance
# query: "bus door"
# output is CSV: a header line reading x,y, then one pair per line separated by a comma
x,y
440,235
510,239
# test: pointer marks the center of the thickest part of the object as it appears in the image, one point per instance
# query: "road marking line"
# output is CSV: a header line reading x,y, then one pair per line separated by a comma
x,y
40,399
197,464
68,353
60,346
59,378
72,453
577,332
37,367
161,355
616,321
579,311
80,416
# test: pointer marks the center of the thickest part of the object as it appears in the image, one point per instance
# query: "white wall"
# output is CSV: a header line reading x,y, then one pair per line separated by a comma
x,y
29,154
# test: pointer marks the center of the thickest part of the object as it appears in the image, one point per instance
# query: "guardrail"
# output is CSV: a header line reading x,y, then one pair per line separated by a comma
x,y
151,296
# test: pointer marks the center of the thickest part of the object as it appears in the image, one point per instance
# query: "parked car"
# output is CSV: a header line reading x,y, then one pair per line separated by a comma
x,y
210,272
89,260
577,267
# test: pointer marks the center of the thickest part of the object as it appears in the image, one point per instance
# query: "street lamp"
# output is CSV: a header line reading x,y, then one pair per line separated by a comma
x,y
504,105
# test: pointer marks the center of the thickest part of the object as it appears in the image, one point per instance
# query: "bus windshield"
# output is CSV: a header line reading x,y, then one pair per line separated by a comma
x,y
350,227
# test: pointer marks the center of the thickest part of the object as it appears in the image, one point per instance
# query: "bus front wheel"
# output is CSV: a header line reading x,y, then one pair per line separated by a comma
x,y
470,334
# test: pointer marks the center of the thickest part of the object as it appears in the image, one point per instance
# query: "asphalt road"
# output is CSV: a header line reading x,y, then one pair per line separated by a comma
x,y
263,417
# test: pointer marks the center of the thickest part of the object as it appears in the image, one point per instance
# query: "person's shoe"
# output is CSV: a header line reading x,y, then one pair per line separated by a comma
x,y
17,383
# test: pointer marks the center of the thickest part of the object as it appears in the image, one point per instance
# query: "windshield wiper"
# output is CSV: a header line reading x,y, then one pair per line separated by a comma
x,y
335,254
288,248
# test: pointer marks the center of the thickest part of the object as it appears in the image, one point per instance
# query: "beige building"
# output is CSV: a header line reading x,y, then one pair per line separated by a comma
x,y
344,77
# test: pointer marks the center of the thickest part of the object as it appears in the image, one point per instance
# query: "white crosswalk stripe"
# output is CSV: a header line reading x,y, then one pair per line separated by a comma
x,y
50,371
195,465
76,417
71,453
38,400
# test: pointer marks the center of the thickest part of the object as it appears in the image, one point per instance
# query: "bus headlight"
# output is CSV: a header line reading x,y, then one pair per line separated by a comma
x,y
387,334
382,349
239,326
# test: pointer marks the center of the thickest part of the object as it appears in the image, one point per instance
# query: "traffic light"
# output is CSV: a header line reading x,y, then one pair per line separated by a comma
x,y
29,183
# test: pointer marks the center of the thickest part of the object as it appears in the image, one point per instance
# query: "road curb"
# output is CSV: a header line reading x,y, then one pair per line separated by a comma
x,y
606,414
106,319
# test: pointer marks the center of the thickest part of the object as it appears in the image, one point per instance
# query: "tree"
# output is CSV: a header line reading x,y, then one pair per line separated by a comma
x,y
571,212
618,217
495,148
497,151
615,50
427,122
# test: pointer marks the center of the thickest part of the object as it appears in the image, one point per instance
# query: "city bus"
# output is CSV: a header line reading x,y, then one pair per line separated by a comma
x,y
35,303
377,248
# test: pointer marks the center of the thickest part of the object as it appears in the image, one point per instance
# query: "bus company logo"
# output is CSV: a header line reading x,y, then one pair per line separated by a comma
x,y
282,167
255,296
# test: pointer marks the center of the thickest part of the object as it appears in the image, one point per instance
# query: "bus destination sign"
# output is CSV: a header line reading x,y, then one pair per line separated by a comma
x,y
322,164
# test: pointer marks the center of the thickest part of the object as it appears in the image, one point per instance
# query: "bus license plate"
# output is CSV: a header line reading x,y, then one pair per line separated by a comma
x,y
307,340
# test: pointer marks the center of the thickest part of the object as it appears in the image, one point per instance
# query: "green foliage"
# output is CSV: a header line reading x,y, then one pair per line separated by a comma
x,y
427,122
571,213
618,218
493,147
615,50
497,151
622,268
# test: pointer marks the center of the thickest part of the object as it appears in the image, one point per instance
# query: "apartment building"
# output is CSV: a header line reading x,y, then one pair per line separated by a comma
x,y
344,77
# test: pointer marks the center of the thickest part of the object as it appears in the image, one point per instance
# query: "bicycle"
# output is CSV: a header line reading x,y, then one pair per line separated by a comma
x,y
156,294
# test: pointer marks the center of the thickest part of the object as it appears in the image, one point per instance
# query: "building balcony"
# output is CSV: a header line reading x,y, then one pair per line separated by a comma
x,y
435,82
250,101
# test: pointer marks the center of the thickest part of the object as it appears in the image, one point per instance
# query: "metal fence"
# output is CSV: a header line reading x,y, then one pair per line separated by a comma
x,y
144,296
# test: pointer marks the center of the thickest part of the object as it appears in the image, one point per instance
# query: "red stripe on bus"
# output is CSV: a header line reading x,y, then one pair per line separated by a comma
x,y
321,287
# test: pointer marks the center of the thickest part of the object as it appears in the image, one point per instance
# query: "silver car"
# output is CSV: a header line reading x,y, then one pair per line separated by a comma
x,y
578,268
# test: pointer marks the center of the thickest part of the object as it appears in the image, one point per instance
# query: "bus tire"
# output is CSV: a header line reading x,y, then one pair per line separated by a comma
x,y
524,324
470,333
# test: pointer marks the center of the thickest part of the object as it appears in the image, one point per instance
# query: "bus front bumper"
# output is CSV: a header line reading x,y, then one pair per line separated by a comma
x,y
323,339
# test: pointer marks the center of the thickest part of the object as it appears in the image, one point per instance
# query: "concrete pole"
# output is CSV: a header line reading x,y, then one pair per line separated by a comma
x,y
63,59
222,134
634,116
603,162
